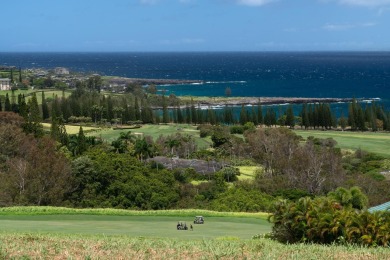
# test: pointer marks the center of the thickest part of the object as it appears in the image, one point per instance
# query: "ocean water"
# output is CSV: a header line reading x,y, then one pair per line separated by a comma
x,y
278,74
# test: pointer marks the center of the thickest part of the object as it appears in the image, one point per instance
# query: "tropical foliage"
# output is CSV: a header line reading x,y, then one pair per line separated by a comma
x,y
336,218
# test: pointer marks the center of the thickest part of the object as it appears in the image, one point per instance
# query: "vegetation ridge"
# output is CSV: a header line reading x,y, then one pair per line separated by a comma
x,y
48,210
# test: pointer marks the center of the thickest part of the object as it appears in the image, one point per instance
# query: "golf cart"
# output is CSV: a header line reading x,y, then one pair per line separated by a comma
x,y
199,220
181,226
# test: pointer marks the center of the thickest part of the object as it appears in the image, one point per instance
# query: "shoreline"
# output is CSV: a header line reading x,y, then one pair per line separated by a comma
x,y
220,102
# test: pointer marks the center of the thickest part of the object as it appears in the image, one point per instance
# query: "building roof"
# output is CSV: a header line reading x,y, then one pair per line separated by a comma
x,y
381,207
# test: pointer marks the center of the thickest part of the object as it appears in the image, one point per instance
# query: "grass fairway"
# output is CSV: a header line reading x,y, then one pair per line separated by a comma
x,y
135,226
72,129
49,93
371,142
152,224
247,172
156,130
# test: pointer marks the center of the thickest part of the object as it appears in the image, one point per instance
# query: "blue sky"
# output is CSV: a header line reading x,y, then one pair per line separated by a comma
x,y
195,25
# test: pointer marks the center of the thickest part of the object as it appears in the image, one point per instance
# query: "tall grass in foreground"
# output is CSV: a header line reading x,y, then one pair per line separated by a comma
x,y
28,246
33,210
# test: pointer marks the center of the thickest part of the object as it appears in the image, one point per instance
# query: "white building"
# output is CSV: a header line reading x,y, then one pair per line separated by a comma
x,y
5,84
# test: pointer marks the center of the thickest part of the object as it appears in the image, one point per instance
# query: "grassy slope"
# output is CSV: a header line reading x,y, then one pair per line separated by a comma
x,y
372,142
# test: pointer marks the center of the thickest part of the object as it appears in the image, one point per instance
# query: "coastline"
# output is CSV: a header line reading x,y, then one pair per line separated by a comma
x,y
220,102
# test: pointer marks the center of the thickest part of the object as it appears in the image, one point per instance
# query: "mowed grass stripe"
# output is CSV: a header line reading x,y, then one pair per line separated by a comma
x,y
134,226
371,142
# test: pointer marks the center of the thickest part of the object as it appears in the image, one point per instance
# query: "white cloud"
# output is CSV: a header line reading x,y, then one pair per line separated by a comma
x,y
255,2
368,3
346,26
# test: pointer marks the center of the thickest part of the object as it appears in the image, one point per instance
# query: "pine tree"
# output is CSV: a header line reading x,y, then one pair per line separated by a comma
x,y
164,110
180,118
353,114
305,117
45,107
194,115
137,111
188,114
243,115
260,119
290,119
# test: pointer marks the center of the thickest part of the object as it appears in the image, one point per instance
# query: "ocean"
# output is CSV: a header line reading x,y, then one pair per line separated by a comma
x,y
261,74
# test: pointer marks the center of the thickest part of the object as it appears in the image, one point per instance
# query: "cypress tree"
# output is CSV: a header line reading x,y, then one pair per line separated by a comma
x,y
23,109
254,116
7,103
33,121
81,142
1,106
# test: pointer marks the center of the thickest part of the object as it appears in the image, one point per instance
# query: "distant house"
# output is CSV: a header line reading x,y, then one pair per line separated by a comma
x,y
381,207
61,71
5,84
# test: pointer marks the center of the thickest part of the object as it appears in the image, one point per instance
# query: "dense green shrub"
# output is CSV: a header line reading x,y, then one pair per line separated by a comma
x,y
242,200
325,220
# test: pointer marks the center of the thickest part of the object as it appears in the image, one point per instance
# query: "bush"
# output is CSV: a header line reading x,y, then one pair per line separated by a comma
x,y
324,220
237,129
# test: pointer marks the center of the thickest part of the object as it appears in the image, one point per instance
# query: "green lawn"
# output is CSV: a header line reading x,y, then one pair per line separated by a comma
x,y
135,226
371,142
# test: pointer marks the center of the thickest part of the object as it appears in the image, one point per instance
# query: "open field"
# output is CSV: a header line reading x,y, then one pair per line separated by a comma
x,y
371,142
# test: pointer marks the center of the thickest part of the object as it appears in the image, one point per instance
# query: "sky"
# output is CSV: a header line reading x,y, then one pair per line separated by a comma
x,y
194,25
